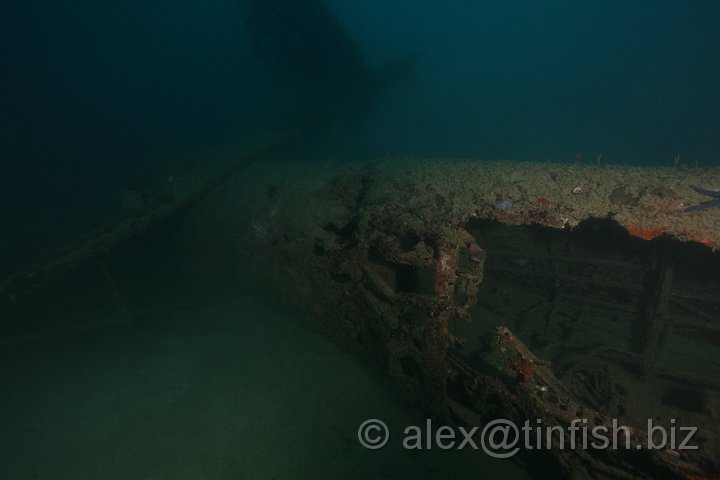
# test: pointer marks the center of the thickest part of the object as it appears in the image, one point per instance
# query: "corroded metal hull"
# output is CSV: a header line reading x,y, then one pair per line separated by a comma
x,y
530,291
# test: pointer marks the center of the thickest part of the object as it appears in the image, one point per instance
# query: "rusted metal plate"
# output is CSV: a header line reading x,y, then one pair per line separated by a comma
x,y
417,264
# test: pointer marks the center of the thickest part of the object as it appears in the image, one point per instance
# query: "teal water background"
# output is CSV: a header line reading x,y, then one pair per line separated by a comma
x,y
95,94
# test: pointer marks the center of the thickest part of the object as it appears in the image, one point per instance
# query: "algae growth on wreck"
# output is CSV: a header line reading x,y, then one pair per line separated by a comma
x,y
308,239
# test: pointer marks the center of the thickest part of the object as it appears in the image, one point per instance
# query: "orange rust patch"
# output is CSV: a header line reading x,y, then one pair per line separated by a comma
x,y
523,368
542,202
444,330
646,233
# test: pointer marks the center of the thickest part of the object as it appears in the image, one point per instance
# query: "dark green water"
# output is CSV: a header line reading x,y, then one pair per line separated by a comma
x,y
190,378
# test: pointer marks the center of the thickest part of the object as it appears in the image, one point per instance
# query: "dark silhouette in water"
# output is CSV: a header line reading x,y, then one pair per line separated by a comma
x,y
311,57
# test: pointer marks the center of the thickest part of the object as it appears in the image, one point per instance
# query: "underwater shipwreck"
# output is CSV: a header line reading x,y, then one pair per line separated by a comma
x,y
549,291
563,305
540,291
